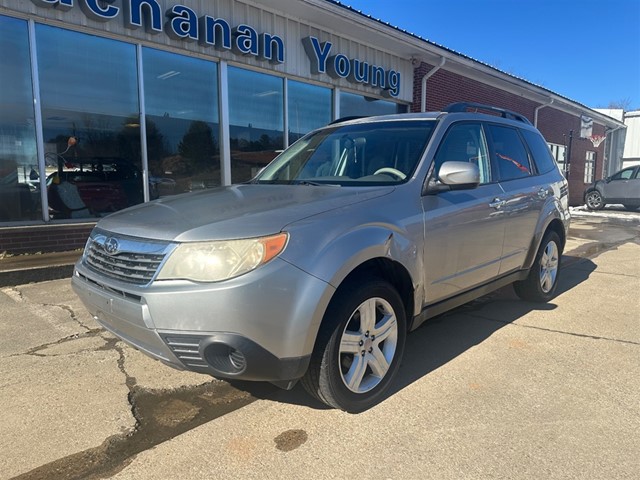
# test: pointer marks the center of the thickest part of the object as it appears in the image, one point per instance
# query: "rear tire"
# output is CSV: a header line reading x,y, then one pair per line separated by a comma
x,y
359,346
542,281
631,208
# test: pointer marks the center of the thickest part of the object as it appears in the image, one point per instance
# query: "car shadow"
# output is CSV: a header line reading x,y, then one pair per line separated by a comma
x,y
445,337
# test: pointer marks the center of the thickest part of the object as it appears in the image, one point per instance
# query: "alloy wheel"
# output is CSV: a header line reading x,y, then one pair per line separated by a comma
x,y
549,267
368,345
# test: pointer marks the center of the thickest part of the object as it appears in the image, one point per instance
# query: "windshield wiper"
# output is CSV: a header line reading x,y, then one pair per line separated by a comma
x,y
314,184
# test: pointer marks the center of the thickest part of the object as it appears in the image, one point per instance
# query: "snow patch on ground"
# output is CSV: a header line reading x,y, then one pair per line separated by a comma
x,y
610,211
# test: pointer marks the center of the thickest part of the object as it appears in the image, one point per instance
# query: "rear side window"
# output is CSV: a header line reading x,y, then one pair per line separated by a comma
x,y
509,154
540,150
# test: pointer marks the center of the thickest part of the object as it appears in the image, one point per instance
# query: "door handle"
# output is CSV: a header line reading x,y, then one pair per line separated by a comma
x,y
497,203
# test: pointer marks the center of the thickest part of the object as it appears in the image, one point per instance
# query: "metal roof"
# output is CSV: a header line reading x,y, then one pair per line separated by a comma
x,y
402,31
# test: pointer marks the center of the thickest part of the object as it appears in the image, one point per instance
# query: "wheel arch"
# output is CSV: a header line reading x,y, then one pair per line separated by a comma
x,y
556,225
390,271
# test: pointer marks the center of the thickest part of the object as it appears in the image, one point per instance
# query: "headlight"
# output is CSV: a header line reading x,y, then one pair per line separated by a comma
x,y
222,260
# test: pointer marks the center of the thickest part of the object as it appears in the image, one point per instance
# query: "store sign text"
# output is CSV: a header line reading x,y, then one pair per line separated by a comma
x,y
354,70
182,24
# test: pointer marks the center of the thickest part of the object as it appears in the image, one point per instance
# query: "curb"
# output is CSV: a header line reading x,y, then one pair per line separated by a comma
x,y
33,275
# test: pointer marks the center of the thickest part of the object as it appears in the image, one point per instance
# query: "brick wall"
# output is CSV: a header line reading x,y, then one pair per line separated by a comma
x,y
445,87
44,238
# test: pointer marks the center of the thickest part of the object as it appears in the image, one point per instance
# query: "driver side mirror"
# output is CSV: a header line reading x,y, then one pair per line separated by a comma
x,y
455,176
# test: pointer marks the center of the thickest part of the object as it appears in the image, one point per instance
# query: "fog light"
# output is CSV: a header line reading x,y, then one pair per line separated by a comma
x,y
225,359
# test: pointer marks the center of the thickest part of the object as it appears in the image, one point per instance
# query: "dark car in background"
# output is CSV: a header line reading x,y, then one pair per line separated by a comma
x,y
94,186
622,187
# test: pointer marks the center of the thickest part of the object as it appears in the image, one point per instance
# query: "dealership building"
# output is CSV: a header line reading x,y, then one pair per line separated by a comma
x,y
110,103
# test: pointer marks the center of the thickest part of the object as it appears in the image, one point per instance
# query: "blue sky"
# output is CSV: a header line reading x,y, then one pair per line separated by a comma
x,y
586,50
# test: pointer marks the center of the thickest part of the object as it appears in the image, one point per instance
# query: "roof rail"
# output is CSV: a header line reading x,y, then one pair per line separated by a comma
x,y
464,106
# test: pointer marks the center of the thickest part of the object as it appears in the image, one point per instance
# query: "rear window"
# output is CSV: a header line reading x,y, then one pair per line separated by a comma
x,y
540,150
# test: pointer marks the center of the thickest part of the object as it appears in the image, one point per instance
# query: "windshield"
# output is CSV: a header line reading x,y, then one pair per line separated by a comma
x,y
362,154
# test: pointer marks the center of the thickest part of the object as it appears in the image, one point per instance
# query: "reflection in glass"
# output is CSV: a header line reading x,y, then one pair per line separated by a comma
x,y
361,106
181,102
19,177
89,92
309,108
255,121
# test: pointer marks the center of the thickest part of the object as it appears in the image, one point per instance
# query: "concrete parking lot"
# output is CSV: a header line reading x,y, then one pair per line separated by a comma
x,y
498,388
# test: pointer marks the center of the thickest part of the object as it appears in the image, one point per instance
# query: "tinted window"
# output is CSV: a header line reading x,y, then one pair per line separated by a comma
x,y
510,156
19,172
359,105
91,95
465,142
623,174
309,108
256,121
181,96
540,150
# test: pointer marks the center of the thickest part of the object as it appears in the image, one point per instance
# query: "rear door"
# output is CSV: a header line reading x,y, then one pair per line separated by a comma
x,y
523,194
464,231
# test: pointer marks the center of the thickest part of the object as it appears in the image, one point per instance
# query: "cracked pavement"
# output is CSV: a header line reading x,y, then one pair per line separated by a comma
x,y
498,388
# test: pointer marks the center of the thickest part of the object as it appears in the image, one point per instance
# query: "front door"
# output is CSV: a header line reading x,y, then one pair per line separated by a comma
x,y
464,229
622,186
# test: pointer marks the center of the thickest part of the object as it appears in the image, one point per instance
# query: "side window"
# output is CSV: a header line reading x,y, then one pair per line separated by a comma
x,y
623,175
637,173
540,150
465,142
510,156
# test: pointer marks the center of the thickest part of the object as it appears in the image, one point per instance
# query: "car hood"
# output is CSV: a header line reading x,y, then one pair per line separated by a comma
x,y
239,211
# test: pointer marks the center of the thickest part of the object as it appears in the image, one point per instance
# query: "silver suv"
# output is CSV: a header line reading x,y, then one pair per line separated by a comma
x,y
317,268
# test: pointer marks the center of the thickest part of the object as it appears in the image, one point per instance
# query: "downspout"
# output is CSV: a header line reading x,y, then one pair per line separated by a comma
x,y
535,112
423,101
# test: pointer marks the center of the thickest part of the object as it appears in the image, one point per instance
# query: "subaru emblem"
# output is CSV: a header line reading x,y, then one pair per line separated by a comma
x,y
111,246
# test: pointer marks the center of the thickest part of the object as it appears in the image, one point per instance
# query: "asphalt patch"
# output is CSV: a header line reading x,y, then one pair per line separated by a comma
x,y
161,416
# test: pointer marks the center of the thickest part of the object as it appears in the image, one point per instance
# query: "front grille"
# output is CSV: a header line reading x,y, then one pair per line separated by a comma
x,y
130,260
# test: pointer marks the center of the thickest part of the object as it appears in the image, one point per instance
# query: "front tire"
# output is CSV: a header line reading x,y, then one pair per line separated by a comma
x,y
359,346
594,200
542,281
631,208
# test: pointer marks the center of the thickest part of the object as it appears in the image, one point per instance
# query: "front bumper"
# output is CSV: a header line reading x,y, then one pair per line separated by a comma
x,y
260,326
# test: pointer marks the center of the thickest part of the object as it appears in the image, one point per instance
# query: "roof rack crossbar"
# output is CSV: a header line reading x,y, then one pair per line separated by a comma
x,y
464,106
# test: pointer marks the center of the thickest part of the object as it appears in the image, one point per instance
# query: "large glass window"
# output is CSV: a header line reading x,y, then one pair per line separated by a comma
x,y
362,106
91,123
19,175
309,108
256,121
181,102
